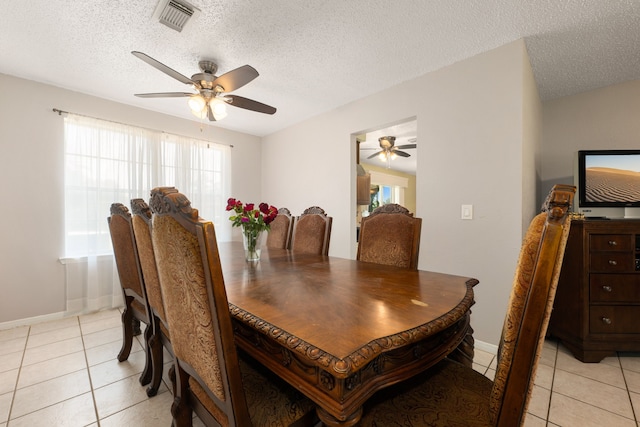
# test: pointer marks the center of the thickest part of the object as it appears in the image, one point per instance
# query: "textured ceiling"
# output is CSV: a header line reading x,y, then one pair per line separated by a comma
x,y
312,56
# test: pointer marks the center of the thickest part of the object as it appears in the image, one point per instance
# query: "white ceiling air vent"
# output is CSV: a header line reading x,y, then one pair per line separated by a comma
x,y
175,14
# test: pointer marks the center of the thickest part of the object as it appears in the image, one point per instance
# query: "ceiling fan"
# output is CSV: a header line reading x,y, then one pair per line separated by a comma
x,y
213,91
388,149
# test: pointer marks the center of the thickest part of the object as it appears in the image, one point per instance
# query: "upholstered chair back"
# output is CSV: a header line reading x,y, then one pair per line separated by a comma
x,y
280,230
312,232
136,308
196,305
529,309
390,236
160,331
142,230
124,251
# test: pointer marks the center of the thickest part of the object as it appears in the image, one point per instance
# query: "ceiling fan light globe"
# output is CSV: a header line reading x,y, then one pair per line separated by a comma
x,y
383,157
393,156
218,108
197,105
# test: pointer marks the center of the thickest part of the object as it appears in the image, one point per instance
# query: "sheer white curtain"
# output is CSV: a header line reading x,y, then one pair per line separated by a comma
x,y
107,162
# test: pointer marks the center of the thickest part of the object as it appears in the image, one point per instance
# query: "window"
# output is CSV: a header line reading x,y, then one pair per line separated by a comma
x,y
108,162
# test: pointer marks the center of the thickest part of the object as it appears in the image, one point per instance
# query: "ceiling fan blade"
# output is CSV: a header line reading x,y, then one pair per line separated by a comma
x,y
237,78
406,146
160,66
374,155
401,153
164,95
249,104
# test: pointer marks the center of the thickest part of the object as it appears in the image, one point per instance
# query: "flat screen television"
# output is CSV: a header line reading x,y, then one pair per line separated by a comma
x,y
609,183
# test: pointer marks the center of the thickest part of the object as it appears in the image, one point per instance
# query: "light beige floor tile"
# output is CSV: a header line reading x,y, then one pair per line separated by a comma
x,y
491,374
102,337
10,361
633,381
604,396
479,368
99,316
8,380
603,372
108,351
148,413
66,322
630,361
112,371
482,358
51,351
197,422
52,368
120,395
533,421
544,376
42,395
539,402
101,325
5,405
53,336
75,412
635,402
568,412
548,354
13,333
12,345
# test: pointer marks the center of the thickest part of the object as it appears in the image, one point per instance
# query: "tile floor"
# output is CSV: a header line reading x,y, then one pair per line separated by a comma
x,y
65,373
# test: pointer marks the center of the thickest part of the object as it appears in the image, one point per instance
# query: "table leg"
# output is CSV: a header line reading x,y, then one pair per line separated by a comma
x,y
331,421
465,350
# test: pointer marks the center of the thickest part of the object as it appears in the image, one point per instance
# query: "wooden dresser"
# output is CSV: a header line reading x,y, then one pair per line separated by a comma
x,y
597,305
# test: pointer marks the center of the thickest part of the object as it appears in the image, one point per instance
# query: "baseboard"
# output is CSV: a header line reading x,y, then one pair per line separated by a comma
x,y
489,348
32,320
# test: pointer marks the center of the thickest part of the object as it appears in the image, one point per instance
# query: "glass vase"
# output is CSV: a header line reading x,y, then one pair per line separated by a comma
x,y
252,241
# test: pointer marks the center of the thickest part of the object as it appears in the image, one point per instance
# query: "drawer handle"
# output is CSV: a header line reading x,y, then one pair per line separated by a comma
x,y
606,320
613,262
613,243
607,288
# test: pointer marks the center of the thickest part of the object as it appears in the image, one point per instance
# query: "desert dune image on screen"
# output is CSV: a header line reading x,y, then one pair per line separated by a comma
x,y
612,178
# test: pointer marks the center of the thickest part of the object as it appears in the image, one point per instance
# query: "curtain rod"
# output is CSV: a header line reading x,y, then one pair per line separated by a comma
x,y
61,112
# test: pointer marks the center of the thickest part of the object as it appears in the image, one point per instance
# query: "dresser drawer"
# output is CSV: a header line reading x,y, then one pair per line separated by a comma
x,y
612,261
614,319
611,242
614,288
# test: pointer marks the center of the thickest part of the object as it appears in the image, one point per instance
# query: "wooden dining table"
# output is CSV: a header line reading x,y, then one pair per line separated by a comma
x,y
338,330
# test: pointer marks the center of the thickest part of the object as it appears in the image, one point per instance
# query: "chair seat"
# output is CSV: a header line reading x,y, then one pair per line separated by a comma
x,y
447,395
270,400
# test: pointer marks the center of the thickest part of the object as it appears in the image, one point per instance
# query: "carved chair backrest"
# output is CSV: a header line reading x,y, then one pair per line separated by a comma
x,y
142,231
529,309
125,254
196,304
390,236
312,232
280,230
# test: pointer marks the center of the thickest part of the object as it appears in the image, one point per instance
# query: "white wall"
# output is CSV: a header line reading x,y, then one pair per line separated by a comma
x,y
606,118
31,172
470,132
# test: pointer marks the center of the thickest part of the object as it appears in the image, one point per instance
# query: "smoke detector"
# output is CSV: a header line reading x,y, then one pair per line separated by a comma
x,y
175,14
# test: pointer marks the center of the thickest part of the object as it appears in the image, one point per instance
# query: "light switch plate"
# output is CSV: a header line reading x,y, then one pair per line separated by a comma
x,y
467,212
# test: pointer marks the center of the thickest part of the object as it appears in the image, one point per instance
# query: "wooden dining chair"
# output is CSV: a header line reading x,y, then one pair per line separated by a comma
x,y
312,232
280,230
390,236
136,308
210,378
450,394
160,336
